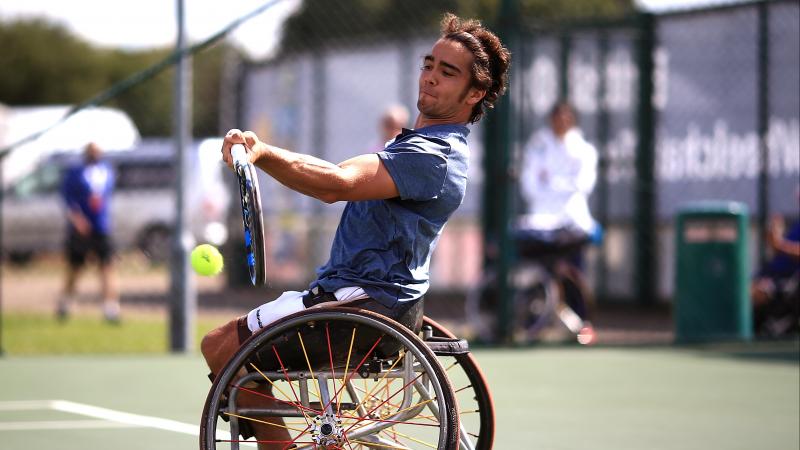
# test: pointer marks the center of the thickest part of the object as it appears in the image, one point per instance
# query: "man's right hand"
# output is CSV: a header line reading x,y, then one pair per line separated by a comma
x,y
247,138
80,223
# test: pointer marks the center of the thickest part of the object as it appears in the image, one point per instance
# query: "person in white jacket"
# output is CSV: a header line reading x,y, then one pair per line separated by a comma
x,y
558,173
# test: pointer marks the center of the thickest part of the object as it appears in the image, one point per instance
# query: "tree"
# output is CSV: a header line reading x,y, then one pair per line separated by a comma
x,y
320,22
45,64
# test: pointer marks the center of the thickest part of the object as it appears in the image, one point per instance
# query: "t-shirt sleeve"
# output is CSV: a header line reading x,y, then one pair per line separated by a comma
x,y
419,169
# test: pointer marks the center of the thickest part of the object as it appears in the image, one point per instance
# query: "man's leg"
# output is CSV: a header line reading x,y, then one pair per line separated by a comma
x,y
108,286
75,253
219,345
68,293
102,248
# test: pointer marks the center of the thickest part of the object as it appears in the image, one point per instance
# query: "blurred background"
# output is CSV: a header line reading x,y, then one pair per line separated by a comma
x,y
684,101
693,107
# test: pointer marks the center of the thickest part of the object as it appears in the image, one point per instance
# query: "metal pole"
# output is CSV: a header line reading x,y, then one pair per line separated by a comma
x,y
316,228
603,122
762,209
499,139
563,56
645,210
183,298
2,255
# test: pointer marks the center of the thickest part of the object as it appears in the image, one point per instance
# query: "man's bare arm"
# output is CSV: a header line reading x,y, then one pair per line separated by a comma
x,y
361,178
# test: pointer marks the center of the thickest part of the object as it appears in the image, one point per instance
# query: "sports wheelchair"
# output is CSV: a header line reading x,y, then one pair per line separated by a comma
x,y
338,377
546,286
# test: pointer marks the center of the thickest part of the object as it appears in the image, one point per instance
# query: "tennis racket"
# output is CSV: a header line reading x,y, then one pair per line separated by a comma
x,y
255,249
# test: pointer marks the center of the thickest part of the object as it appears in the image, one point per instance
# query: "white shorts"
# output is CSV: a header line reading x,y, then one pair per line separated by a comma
x,y
291,302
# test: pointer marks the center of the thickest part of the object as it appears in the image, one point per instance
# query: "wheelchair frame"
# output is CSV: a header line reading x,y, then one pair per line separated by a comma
x,y
425,387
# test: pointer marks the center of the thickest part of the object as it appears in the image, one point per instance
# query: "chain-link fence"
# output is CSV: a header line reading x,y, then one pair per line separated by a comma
x,y
685,106
724,80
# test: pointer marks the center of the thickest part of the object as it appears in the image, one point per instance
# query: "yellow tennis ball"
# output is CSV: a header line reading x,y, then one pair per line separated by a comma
x,y
206,260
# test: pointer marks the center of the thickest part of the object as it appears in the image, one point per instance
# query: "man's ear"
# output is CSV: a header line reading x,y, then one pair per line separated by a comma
x,y
475,95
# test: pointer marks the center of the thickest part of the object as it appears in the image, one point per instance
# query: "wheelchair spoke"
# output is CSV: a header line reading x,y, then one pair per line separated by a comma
x,y
346,367
285,374
356,369
308,363
385,401
410,438
290,403
330,358
297,405
370,393
253,419
404,403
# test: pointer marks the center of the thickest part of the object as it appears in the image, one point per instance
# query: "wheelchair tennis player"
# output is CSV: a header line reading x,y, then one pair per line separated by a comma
x,y
398,199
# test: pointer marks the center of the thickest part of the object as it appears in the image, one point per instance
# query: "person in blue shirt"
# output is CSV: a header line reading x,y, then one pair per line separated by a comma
x,y
398,199
86,191
774,290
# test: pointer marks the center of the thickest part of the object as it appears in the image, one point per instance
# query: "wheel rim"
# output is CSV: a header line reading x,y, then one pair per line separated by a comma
x,y
348,402
475,404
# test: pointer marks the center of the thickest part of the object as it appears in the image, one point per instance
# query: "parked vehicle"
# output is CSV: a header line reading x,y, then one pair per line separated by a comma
x,y
143,204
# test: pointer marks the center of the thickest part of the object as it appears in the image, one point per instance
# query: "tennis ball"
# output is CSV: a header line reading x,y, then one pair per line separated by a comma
x,y
206,260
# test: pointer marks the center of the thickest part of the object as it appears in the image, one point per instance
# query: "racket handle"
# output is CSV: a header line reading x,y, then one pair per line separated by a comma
x,y
239,155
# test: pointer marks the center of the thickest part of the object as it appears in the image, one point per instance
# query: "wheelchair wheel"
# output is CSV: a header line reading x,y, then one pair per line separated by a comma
x,y
475,405
332,378
535,300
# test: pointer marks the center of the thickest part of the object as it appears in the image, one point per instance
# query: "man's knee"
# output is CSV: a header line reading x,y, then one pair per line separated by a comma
x,y
219,345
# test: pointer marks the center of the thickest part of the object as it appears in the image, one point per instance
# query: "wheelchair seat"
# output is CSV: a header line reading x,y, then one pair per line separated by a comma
x,y
320,340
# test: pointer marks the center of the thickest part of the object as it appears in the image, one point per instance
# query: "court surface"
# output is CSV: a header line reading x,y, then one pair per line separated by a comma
x,y
733,396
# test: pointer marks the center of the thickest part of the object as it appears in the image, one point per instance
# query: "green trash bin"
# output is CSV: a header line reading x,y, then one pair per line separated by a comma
x,y
712,299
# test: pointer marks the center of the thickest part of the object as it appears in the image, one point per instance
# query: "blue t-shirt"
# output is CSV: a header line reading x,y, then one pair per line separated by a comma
x,y
81,183
385,246
782,265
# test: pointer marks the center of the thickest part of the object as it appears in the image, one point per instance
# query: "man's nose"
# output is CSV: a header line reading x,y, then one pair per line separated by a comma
x,y
429,78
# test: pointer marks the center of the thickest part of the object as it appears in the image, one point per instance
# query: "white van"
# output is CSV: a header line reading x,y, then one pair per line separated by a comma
x,y
143,204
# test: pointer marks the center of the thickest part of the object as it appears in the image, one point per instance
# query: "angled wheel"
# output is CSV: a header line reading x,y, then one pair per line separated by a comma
x,y
535,300
533,307
332,378
475,404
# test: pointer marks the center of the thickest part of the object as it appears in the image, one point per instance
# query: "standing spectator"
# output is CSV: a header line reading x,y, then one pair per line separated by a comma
x,y
87,190
559,171
392,122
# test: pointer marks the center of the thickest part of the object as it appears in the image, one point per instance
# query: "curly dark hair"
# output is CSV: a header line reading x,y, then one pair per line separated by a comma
x,y
491,59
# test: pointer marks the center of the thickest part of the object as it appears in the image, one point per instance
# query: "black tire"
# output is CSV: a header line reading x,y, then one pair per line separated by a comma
x,y
481,401
332,326
534,302
534,308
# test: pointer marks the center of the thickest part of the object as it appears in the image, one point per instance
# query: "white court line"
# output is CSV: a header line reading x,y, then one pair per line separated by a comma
x,y
61,425
25,405
121,419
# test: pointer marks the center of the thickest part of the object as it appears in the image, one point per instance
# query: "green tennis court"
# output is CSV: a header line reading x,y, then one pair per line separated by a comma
x,y
715,397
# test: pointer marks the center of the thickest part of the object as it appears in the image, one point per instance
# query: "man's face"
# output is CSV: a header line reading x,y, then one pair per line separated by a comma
x,y
444,83
562,121
92,153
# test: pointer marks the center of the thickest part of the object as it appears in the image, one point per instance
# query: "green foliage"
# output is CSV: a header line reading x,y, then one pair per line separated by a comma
x,y
320,22
545,10
44,63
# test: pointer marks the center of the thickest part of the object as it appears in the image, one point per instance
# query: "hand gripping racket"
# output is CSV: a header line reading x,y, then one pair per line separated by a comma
x,y
255,249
